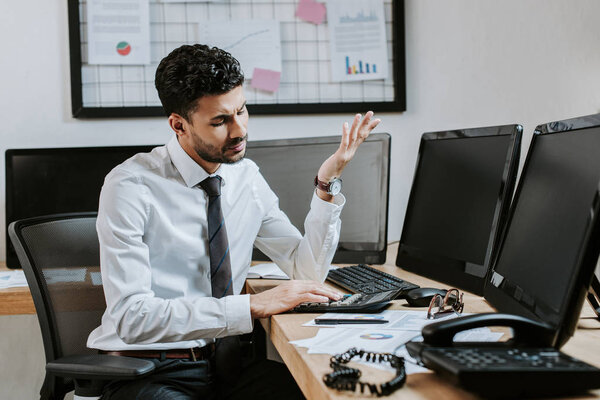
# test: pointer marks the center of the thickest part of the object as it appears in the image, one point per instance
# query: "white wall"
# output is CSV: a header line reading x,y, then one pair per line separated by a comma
x,y
469,63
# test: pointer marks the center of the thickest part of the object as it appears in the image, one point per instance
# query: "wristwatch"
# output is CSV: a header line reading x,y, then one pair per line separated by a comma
x,y
332,187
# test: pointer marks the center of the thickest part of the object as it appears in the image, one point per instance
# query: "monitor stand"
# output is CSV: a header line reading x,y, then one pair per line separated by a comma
x,y
594,295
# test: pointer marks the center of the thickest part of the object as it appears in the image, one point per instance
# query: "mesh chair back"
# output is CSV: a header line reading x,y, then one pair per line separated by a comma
x,y
60,257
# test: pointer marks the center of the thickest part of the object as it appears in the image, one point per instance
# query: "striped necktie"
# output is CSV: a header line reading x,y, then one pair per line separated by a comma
x,y
218,245
228,352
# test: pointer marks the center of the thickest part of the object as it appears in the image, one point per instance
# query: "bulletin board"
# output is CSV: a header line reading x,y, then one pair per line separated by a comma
x,y
113,91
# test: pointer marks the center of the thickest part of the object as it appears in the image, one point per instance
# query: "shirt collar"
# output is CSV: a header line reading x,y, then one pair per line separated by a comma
x,y
190,171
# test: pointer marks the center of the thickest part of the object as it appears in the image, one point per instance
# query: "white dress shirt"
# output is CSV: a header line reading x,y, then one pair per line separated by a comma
x,y
152,226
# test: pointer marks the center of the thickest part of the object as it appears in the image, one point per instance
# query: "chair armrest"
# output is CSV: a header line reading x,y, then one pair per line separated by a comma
x,y
100,367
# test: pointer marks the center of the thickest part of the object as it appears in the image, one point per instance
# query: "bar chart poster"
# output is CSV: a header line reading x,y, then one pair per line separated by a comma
x,y
357,40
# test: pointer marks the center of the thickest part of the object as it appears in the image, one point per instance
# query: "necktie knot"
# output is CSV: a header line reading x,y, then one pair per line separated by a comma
x,y
212,185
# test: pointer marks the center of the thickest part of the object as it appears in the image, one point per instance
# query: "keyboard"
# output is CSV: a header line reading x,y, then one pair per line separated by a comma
x,y
362,303
512,372
367,280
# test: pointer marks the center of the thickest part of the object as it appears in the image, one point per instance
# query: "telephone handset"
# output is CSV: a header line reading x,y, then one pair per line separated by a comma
x,y
525,331
526,365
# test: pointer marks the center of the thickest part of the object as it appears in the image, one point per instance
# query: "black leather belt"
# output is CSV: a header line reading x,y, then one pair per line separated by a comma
x,y
195,353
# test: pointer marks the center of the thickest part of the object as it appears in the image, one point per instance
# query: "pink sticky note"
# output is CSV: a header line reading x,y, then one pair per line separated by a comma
x,y
265,79
311,11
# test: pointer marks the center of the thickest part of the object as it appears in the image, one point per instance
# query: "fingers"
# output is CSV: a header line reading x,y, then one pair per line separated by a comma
x,y
354,129
313,298
315,288
326,292
317,297
288,295
345,136
373,124
362,127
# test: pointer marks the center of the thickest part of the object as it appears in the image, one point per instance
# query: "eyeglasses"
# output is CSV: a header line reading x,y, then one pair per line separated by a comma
x,y
440,306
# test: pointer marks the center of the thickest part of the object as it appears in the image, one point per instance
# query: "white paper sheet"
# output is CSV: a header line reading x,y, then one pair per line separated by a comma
x,y
357,40
192,1
398,319
403,326
255,43
118,32
267,271
338,340
10,279
96,278
63,275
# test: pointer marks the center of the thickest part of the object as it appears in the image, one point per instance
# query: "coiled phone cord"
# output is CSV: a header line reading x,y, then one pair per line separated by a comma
x,y
347,378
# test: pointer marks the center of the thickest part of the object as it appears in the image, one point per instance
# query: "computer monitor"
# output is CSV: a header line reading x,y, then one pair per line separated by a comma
x,y
551,244
459,199
49,181
290,167
58,180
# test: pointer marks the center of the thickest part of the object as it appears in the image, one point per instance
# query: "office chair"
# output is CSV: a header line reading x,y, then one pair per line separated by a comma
x,y
60,257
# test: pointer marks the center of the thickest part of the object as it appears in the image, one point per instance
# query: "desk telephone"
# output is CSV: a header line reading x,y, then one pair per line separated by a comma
x,y
526,365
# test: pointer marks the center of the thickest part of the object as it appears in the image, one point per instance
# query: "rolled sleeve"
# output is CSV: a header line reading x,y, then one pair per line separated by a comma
x,y
325,209
237,311
300,257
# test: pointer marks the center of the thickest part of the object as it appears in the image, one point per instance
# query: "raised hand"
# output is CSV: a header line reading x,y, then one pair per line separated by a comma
x,y
352,138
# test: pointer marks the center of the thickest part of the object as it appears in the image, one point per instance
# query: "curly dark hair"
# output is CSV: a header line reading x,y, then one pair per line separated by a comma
x,y
192,71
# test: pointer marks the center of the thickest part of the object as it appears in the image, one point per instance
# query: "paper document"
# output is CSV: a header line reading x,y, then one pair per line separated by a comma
x,y
10,279
193,1
63,275
357,40
266,271
376,338
338,340
399,319
255,43
118,32
96,278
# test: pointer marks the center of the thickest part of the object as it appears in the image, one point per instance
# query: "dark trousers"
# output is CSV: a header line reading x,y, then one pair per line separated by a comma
x,y
186,380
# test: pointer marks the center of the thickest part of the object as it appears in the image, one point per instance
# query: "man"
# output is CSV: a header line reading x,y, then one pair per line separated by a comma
x,y
177,226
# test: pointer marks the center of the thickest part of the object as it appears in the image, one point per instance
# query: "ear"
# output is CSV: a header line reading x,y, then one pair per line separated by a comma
x,y
178,124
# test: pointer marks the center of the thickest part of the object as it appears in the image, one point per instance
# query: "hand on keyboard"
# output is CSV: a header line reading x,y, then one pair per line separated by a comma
x,y
288,295
351,303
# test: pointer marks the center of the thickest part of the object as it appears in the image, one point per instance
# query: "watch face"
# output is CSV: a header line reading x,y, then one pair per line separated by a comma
x,y
335,187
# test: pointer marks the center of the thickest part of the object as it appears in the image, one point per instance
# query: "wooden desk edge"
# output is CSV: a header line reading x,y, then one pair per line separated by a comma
x,y
15,301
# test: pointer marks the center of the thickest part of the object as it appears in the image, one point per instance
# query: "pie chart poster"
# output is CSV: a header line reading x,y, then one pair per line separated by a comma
x,y
118,32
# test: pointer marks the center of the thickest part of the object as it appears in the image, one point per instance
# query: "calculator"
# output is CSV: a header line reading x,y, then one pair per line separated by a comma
x,y
359,302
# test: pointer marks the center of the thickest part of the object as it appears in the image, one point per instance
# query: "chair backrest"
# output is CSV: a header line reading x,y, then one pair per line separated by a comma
x,y
60,257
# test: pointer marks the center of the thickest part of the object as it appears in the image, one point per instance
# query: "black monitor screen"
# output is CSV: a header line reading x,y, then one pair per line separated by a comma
x,y
461,189
540,259
50,181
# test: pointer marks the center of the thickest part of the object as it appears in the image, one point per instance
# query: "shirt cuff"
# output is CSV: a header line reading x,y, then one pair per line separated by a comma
x,y
326,208
237,310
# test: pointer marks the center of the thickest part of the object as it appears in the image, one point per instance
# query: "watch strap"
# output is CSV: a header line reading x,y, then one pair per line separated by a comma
x,y
324,186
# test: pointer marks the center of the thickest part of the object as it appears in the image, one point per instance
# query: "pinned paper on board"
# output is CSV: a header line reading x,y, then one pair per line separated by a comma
x,y
357,40
118,32
192,1
311,11
265,79
255,43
